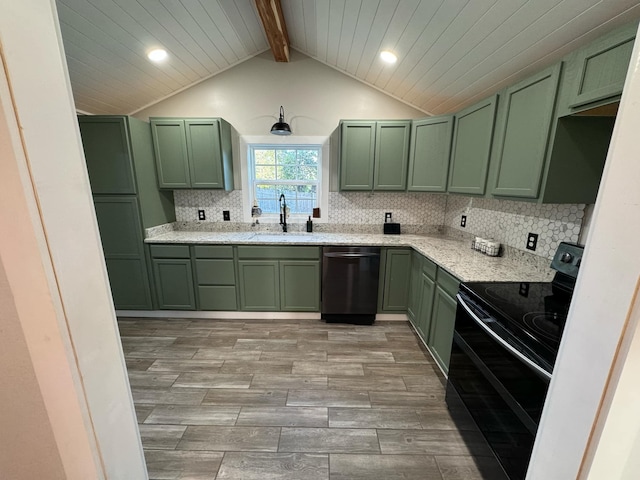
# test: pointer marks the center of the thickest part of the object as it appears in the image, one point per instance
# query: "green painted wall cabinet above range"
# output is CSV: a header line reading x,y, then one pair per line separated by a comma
x,y
374,155
429,154
472,140
526,114
193,152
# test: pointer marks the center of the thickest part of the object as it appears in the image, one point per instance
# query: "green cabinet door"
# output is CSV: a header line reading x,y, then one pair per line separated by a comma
x,y
105,141
521,148
602,67
429,154
259,285
357,153
427,291
413,304
442,322
473,134
121,236
170,146
397,276
174,283
299,285
203,149
391,154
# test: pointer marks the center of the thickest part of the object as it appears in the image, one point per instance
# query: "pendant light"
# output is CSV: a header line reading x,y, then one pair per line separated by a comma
x,y
281,128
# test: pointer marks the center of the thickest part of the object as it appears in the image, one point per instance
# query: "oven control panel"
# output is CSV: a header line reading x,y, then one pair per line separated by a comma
x,y
567,259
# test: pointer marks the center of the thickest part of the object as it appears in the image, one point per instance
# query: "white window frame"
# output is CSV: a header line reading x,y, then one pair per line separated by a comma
x,y
271,141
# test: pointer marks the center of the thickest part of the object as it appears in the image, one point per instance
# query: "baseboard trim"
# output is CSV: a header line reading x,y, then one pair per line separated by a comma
x,y
394,317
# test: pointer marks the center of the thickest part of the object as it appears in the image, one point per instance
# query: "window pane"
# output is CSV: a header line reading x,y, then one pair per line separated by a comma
x,y
286,157
306,198
308,173
265,173
267,196
288,172
308,157
265,157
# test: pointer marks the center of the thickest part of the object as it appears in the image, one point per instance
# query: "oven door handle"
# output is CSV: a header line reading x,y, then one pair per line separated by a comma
x,y
536,368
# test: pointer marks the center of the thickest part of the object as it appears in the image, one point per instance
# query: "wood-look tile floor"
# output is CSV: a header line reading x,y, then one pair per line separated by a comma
x,y
289,400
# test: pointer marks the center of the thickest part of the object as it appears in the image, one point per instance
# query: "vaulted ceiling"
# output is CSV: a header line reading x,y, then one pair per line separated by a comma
x,y
450,52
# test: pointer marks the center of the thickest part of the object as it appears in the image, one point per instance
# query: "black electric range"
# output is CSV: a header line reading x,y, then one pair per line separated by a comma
x,y
506,340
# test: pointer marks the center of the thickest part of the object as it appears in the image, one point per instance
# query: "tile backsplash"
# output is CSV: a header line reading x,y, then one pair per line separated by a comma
x,y
506,221
368,208
510,222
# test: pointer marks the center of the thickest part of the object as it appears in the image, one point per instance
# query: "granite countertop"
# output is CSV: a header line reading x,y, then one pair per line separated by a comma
x,y
454,255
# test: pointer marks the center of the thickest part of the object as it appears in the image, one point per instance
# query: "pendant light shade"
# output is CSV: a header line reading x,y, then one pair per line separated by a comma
x,y
281,128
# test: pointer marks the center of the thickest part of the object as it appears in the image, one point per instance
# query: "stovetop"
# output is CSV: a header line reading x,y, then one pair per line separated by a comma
x,y
534,312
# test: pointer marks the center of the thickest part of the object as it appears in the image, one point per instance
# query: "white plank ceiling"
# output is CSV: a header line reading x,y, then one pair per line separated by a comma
x,y
450,52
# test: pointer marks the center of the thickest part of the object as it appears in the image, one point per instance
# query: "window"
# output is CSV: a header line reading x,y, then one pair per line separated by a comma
x,y
292,170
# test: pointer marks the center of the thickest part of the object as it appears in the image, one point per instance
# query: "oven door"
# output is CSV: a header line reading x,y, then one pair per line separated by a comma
x,y
500,386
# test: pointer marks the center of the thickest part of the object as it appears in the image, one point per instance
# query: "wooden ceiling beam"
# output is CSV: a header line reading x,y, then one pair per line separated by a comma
x,y
270,12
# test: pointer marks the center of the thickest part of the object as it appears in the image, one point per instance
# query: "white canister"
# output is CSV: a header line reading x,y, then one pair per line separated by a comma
x,y
492,248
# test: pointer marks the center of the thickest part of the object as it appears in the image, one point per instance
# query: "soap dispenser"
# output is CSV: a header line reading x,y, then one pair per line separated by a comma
x,y
309,225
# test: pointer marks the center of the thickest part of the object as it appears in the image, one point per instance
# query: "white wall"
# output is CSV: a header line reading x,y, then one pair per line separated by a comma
x,y
602,300
69,245
314,96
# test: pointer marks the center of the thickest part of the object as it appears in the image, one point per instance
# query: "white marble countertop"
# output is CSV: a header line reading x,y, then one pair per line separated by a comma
x,y
454,255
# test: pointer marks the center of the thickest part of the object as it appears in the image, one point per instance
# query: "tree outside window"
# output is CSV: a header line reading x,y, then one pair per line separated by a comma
x,y
290,170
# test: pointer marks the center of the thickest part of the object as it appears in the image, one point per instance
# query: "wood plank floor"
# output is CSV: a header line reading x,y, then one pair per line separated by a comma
x,y
295,400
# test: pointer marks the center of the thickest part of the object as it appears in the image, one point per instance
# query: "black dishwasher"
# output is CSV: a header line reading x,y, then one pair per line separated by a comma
x,y
350,284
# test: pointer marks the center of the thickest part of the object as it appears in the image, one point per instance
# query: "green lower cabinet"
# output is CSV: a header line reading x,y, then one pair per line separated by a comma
x,y
259,285
397,277
120,232
217,297
423,320
443,320
129,283
413,305
174,283
300,286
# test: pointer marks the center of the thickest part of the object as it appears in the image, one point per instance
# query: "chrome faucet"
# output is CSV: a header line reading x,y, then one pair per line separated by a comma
x,y
283,212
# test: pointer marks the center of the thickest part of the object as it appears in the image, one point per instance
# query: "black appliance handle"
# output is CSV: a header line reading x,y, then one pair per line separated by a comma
x,y
536,368
351,255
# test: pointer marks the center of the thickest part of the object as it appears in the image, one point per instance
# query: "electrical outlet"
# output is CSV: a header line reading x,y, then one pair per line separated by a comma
x,y
532,241
201,215
463,221
226,216
387,217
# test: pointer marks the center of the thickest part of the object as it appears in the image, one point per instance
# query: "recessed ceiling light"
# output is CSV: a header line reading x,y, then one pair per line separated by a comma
x,y
388,56
157,55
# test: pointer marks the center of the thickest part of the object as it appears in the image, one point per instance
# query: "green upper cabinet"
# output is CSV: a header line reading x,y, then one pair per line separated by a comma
x,y
526,114
373,155
193,153
108,154
392,152
170,145
473,134
602,68
357,154
429,154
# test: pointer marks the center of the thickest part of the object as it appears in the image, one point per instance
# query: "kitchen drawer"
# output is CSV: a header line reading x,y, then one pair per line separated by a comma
x,y
448,282
429,268
215,272
217,298
170,251
278,253
213,251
